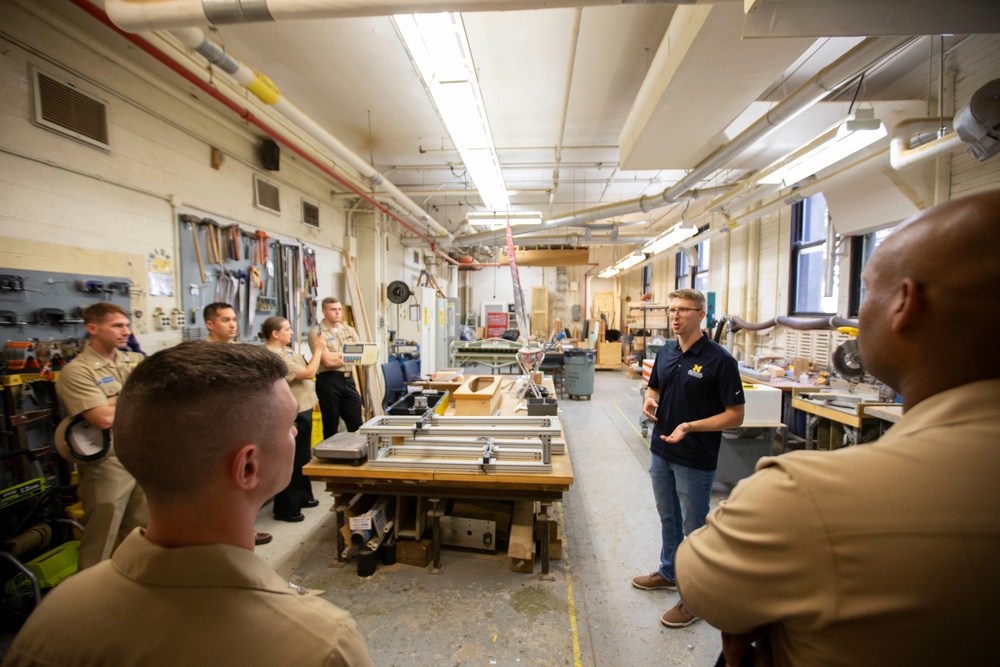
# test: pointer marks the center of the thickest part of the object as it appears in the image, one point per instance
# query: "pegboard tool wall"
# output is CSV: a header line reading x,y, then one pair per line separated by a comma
x,y
45,305
231,255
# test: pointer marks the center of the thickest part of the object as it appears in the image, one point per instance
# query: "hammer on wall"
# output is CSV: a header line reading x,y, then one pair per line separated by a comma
x,y
192,222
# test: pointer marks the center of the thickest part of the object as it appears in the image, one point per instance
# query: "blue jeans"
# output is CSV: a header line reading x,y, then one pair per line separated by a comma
x,y
682,497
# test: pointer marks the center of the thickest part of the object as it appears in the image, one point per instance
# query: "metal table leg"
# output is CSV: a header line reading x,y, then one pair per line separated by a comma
x,y
435,513
340,505
543,521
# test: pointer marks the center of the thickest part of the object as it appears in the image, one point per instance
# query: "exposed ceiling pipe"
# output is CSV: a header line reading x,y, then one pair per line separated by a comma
x,y
452,193
247,115
146,15
902,156
268,93
828,80
574,39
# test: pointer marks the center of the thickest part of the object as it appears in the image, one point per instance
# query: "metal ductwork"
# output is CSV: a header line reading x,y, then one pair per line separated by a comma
x,y
268,93
146,15
828,80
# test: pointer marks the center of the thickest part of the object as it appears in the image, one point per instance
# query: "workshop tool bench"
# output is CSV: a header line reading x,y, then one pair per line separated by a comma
x,y
437,486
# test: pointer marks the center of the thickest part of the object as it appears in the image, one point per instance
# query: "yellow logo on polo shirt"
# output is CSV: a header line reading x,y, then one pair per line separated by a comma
x,y
695,371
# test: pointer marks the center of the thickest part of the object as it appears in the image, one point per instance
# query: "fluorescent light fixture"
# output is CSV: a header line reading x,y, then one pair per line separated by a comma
x,y
609,272
498,219
681,231
844,139
438,46
623,264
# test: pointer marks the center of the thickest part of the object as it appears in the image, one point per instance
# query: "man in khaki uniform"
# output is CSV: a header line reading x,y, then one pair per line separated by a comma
x,y
221,322
88,386
886,553
338,397
189,590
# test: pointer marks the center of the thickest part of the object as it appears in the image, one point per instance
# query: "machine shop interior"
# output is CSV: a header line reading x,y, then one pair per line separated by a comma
x,y
502,200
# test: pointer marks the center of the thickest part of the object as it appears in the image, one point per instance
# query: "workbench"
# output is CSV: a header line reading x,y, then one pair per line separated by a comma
x,y
343,482
851,418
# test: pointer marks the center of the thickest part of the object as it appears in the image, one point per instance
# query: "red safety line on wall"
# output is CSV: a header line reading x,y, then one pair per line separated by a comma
x,y
248,116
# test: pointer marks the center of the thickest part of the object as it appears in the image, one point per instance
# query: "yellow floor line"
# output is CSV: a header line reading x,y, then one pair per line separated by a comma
x,y
630,421
577,662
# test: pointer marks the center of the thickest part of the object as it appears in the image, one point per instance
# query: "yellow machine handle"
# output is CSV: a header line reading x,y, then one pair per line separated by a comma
x,y
850,331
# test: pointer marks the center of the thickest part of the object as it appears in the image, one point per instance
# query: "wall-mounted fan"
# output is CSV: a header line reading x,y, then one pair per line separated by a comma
x,y
397,292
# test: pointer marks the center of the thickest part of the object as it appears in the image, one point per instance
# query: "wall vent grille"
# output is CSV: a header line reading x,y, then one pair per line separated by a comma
x,y
62,107
266,195
310,214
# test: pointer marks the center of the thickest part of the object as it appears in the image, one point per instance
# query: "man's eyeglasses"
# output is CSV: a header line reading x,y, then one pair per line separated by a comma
x,y
682,310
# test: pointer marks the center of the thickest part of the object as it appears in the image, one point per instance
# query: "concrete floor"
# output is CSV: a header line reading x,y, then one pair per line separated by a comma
x,y
478,612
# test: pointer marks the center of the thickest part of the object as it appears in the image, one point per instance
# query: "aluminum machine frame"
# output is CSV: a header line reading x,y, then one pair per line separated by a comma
x,y
518,444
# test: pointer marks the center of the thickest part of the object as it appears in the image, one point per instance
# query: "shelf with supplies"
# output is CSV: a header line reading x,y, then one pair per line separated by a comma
x,y
643,319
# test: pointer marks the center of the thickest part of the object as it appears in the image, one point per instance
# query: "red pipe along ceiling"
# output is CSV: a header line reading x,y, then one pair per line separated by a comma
x,y
248,116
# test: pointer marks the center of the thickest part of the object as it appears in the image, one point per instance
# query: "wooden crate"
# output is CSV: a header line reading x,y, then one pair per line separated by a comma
x,y
609,356
478,396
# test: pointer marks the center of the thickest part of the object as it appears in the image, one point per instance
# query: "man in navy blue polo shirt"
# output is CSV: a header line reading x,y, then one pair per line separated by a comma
x,y
694,393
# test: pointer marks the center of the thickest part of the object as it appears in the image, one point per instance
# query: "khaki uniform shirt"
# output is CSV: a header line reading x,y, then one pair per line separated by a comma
x,y
89,380
304,391
880,554
203,605
335,339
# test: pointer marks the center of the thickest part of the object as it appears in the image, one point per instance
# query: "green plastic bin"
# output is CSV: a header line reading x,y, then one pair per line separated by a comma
x,y
579,365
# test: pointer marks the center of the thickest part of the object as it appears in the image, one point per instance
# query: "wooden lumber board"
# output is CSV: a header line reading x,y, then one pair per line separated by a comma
x,y
374,386
522,531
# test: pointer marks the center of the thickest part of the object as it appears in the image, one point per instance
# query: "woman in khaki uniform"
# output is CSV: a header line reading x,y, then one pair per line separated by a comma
x,y
277,334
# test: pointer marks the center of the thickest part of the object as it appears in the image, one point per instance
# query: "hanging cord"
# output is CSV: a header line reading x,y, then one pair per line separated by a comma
x,y
860,81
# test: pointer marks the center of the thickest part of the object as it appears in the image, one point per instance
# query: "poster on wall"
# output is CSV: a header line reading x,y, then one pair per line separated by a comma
x,y
161,274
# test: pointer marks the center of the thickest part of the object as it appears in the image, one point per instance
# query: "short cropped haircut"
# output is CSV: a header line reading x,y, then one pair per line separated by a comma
x,y
328,300
271,325
211,311
98,312
185,410
692,295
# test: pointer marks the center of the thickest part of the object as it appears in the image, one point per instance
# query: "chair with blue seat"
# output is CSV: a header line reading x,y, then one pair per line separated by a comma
x,y
394,386
411,370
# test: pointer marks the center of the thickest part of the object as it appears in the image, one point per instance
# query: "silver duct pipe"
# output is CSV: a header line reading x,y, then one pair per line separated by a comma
x,y
572,240
902,155
146,15
195,39
828,80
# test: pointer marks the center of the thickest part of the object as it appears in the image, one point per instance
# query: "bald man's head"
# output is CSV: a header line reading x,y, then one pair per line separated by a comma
x,y
934,296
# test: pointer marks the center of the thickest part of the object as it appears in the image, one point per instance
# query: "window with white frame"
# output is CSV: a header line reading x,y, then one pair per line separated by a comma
x,y
808,293
692,267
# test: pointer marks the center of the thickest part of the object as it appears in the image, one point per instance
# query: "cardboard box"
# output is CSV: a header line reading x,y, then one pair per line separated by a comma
x,y
413,552
555,550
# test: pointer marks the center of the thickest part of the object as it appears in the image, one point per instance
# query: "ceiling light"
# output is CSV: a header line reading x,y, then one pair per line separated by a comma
x,y
499,219
439,49
630,260
668,239
828,148
609,272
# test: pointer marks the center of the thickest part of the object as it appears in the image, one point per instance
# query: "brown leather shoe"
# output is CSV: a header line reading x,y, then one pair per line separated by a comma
x,y
262,538
653,582
678,617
